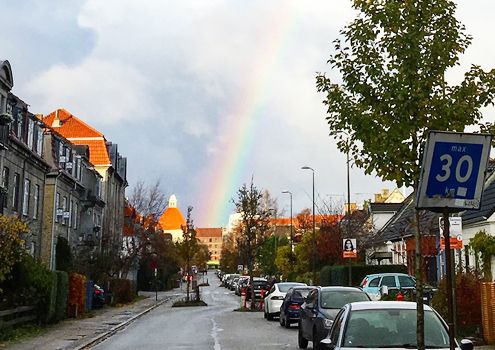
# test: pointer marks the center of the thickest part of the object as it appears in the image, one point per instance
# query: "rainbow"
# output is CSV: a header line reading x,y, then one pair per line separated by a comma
x,y
225,175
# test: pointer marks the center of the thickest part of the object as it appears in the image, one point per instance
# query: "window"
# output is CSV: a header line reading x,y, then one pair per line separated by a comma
x,y
57,206
389,281
374,282
334,337
406,282
15,195
36,201
30,134
19,124
71,208
210,240
25,199
65,219
39,141
76,209
5,184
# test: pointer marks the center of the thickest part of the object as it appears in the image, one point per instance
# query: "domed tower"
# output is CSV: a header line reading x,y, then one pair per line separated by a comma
x,y
172,220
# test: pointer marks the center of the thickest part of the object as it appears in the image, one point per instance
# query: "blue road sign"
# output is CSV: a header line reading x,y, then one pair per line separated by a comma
x,y
453,170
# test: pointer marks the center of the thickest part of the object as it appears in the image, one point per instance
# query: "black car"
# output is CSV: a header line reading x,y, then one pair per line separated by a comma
x,y
320,308
259,285
291,306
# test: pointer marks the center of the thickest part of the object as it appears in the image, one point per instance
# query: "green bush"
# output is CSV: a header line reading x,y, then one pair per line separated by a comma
x,y
339,275
48,309
62,295
122,290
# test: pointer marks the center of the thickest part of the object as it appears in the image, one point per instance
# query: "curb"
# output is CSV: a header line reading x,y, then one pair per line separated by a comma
x,y
112,331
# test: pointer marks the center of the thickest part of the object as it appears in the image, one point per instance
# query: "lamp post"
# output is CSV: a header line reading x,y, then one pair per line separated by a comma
x,y
349,208
291,233
314,224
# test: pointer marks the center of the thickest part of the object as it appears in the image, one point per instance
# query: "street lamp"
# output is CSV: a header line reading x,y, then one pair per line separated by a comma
x,y
314,224
291,233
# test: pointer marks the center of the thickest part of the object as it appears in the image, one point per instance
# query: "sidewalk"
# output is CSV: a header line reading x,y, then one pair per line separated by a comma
x,y
77,334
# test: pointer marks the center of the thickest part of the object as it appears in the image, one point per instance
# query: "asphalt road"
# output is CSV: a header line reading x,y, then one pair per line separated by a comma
x,y
215,327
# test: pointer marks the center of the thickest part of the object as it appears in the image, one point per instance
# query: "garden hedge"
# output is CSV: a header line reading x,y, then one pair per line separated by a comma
x,y
339,275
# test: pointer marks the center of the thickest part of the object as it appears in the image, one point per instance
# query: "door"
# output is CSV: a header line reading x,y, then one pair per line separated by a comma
x,y
308,314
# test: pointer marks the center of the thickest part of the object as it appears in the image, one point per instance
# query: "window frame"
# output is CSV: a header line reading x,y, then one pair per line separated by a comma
x,y
26,196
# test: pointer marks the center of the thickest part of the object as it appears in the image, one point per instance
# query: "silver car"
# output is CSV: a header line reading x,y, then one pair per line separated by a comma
x,y
386,324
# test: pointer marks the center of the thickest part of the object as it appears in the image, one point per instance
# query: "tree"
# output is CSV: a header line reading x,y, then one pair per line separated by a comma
x,y
188,246
393,59
284,260
268,252
11,244
484,244
254,207
147,203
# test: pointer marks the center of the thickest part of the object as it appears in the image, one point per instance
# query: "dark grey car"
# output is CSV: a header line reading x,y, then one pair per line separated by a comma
x,y
320,308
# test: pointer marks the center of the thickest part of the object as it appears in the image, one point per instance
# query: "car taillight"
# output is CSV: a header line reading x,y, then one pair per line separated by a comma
x,y
98,291
363,284
294,306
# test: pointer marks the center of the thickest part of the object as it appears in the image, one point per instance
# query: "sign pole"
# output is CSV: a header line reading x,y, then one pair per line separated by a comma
x,y
448,268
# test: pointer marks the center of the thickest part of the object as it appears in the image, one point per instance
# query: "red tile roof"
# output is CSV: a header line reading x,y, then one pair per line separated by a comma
x,y
80,133
71,126
209,232
98,154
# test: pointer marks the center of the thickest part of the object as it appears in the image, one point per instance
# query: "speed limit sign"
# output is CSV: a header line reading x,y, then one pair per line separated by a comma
x,y
453,170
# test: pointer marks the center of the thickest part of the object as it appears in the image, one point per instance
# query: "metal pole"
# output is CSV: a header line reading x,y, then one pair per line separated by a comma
x,y
291,232
349,210
314,232
448,267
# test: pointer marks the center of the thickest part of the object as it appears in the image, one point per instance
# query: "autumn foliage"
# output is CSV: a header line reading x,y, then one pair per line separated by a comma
x,y
11,243
77,294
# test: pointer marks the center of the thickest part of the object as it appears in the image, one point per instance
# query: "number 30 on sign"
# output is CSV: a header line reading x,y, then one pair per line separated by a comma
x,y
453,170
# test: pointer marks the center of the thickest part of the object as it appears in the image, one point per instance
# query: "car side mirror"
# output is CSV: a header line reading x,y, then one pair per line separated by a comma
x,y
327,344
467,344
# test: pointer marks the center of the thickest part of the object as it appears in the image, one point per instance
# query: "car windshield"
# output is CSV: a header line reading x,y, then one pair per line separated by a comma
x,y
338,298
392,328
259,284
286,286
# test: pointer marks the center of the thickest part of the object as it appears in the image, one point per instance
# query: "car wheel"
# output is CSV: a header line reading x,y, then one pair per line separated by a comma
x,y
316,340
269,317
287,323
281,320
301,341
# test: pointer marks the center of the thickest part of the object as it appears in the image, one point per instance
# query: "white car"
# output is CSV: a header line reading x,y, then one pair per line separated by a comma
x,y
276,296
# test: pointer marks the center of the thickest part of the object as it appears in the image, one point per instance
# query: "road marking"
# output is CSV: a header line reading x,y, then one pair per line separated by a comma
x,y
214,335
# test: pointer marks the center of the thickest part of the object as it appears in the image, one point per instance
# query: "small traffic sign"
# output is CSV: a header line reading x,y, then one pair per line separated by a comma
x,y
455,233
453,170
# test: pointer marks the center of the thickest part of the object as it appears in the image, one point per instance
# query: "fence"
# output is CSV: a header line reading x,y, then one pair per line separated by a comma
x,y
488,311
21,314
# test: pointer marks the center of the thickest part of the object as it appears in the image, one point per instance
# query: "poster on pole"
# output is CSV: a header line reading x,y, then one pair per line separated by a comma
x,y
349,248
453,171
455,229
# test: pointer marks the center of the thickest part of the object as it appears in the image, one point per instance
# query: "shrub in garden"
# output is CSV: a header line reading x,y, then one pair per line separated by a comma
x,y
11,244
62,295
77,294
468,302
122,290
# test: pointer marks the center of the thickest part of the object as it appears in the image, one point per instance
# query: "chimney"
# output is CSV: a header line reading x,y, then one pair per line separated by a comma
x,y
56,121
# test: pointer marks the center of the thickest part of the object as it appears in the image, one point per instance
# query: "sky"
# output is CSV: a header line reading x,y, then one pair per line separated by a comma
x,y
204,95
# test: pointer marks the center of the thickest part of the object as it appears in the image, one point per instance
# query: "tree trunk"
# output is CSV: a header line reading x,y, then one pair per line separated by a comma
x,y
420,329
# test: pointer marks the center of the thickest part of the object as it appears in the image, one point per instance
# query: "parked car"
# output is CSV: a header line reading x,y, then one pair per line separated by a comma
x,y
374,285
387,324
99,298
290,310
233,284
242,283
259,284
275,297
320,308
